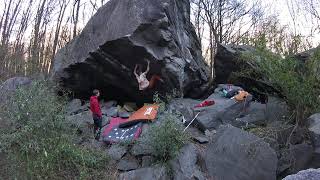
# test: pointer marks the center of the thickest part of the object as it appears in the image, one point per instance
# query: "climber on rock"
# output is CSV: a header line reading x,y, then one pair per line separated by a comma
x,y
143,82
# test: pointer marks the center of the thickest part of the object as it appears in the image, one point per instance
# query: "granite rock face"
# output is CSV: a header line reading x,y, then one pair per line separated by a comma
x,y
125,33
234,154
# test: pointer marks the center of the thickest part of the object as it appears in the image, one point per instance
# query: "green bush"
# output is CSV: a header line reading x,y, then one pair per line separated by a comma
x,y
166,138
298,82
162,100
41,143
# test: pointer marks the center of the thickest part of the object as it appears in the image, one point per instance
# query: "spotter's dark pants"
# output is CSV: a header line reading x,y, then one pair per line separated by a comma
x,y
97,126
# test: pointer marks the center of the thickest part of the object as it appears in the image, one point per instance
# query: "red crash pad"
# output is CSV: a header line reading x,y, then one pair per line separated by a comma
x,y
113,133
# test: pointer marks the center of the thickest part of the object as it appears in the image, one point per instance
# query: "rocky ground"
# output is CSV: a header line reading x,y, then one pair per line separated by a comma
x,y
221,145
251,147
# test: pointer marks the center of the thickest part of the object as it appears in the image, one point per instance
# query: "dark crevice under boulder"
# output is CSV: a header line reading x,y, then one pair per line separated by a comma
x,y
124,33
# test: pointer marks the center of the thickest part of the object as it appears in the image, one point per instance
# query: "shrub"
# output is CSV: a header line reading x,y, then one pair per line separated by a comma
x,y
162,100
296,81
166,138
41,142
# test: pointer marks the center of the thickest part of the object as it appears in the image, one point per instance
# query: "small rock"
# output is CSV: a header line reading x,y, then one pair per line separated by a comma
x,y
140,149
117,151
210,133
197,135
130,107
201,139
198,175
309,174
75,107
128,163
91,143
112,112
110,104
147,161
81,119
152,173
124,114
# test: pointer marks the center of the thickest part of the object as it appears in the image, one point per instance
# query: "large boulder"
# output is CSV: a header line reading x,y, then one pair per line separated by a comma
x,y
13,83
229,111
295,158
229,62
10,85
261,114
314,128
185,166
7,89
302,154
309,174
307,58
234,154
125,33
225,111
209,117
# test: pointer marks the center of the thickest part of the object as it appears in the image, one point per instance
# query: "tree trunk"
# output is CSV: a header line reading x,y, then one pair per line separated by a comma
x,y
58,26
75,17
35,44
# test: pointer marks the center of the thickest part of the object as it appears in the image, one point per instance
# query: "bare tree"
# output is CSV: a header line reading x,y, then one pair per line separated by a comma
x,y
75,16
198,21
24,22
31,32
224,20
5,24
8,20
34,46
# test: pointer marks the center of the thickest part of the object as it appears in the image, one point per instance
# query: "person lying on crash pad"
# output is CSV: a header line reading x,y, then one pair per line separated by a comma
x,y
143,82
243,97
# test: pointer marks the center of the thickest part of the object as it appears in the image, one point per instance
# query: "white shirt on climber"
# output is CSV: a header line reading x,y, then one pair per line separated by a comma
x,y
143,81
